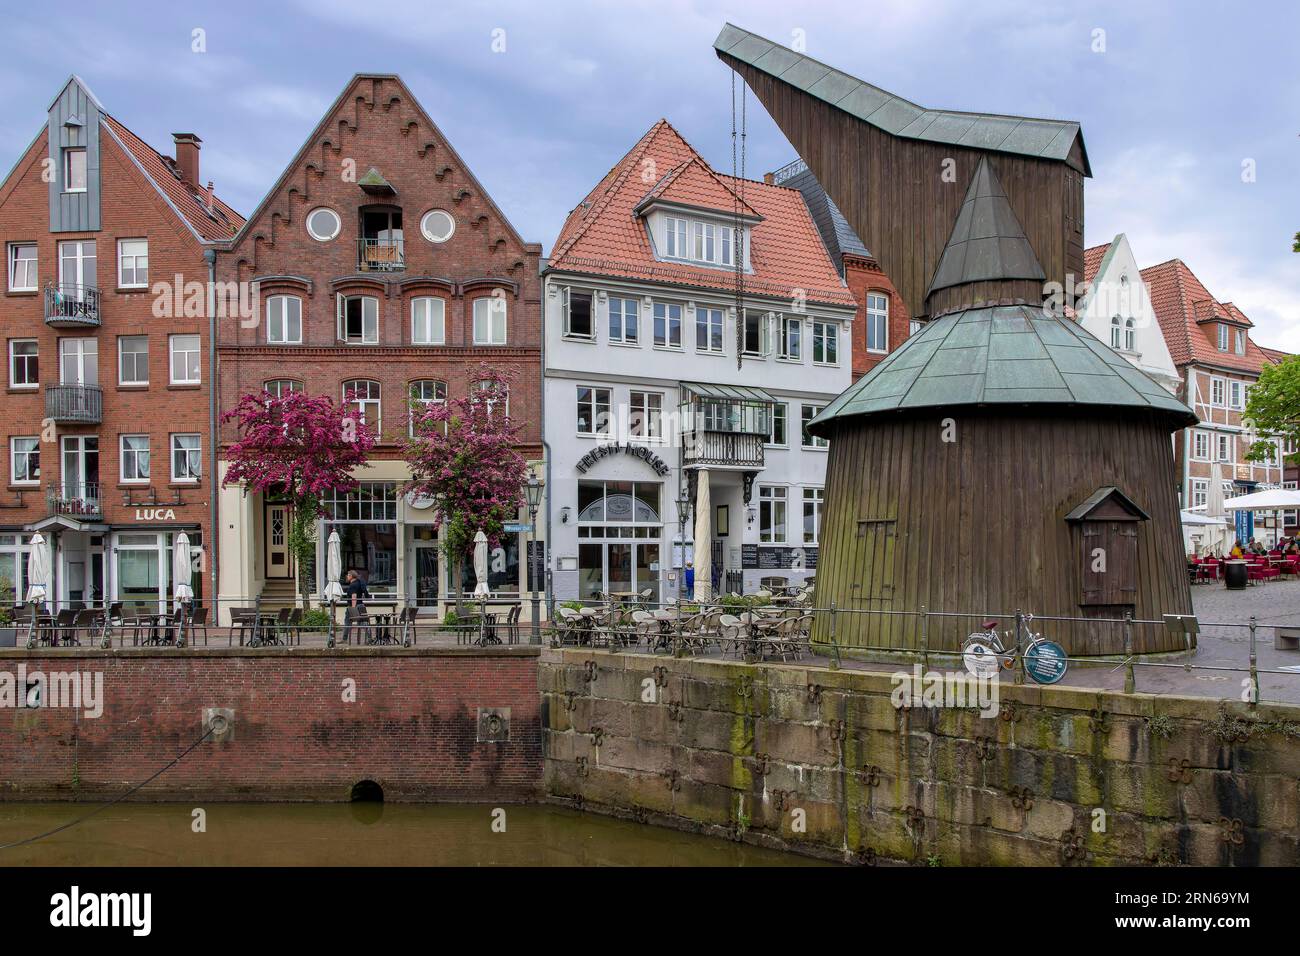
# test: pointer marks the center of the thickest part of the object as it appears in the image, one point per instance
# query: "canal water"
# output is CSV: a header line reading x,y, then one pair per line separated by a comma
x,y
357,834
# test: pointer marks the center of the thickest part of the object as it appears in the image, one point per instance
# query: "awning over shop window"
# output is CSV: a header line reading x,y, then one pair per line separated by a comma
x,y
730,393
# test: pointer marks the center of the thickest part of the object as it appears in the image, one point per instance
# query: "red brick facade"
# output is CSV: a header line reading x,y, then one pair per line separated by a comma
x,y
412,726
131,206
864,276
377,125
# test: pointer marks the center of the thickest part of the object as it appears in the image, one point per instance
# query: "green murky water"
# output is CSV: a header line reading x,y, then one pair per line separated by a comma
x,y
357,835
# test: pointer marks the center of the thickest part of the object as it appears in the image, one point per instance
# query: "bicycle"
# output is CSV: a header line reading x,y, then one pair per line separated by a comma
x,y
984,655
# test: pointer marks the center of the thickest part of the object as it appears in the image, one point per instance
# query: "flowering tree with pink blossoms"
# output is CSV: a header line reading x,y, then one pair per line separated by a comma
x,y
462,457
302,448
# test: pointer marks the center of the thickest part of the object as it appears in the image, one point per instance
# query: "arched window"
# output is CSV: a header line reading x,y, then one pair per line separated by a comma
x,y
284,320
490,320
1116,336
280,387
424,392
363,395
485,385
428,320
1130,335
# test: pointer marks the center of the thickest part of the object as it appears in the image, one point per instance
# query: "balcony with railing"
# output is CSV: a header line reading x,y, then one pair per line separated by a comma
x,y
725,426
77,500
71,306
381,255
74,404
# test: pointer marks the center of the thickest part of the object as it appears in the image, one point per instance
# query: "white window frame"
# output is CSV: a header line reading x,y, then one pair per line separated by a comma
x,y
877,311
818,502
338,224
1224,441
1236,394
704,316
136,267
599,410
567,294
769,498
726,246
650,407
424,229
825,333
284,319
790,338
1218,392
1223,337
806,440
33,270
1116,333
369,319
439,398
121,355
361,404
172,352
676,236
279,391
134,455
668,342
765,322
489,311
1130,335
189,454
1199,492
1200,445
1239,342
622,337
13,460
68,153
780,410
437,323
13,365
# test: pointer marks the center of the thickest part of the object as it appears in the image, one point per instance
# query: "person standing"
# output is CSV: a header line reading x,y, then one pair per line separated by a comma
x,y
355,594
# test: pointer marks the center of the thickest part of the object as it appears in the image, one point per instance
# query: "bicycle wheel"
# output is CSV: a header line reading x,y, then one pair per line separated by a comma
x,y
980,653
1045,661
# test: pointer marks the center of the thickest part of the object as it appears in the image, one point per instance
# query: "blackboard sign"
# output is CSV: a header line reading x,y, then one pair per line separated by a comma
x,y
749,556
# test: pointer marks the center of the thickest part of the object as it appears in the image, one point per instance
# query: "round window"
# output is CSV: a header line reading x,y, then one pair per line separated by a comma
x,y
437,225
323,224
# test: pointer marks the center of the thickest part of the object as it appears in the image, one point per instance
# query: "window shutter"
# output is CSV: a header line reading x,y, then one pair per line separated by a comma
x,y
339,317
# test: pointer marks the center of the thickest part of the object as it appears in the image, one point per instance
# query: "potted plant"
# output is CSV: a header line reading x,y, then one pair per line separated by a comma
x,y
8,633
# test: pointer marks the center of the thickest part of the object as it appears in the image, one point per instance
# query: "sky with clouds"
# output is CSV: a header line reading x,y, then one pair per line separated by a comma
x,y
1184,99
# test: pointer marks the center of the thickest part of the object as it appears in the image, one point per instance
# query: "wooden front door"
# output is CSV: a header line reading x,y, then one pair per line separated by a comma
x,y
276,537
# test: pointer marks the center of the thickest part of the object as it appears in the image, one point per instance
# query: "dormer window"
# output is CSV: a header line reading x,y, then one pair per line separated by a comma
x,y
1241,341
694,240
1223,337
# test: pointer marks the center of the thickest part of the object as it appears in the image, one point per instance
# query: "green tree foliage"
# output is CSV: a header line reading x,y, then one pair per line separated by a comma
x,y
1274,408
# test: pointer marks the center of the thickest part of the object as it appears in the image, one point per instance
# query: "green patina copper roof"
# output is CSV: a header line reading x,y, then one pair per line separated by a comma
x,y
1043,138
1012,355
987,242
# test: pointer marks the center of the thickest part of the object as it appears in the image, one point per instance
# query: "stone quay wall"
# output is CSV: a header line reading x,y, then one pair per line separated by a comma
x,y
821,761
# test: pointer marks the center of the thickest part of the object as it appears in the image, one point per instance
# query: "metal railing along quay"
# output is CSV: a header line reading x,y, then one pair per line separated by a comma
x,y
751,632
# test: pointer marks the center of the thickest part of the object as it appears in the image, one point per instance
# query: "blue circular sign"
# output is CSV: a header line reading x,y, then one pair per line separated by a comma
x,y
1045,662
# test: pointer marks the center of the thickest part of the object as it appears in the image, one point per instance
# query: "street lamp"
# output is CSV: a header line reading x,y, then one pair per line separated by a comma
x,y
683,505
533,491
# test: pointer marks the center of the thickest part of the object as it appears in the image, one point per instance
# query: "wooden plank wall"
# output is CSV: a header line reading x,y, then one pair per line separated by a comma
x,y
893,193
979,525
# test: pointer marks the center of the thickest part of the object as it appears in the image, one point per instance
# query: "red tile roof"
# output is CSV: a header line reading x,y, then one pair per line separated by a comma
x,y
604,236
1092,260
192,206
1182,304
1275,355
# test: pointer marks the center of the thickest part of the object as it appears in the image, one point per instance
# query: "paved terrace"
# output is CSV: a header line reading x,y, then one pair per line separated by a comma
x,y
1217,667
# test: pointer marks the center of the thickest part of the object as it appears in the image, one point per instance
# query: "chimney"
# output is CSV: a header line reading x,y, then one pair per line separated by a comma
x,y
187,157
209,204
769,178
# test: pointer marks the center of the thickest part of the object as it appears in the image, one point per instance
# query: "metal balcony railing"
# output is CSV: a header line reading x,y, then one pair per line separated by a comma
x,y
79,500
74,404
722,449
71,306
381,255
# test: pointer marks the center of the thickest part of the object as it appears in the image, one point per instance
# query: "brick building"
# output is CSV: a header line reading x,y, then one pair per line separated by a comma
x,y
382,273
1290,460
882,323
1217,362
106,404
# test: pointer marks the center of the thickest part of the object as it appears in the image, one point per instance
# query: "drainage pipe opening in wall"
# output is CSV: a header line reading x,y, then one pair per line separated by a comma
x,y
367,802
367,791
